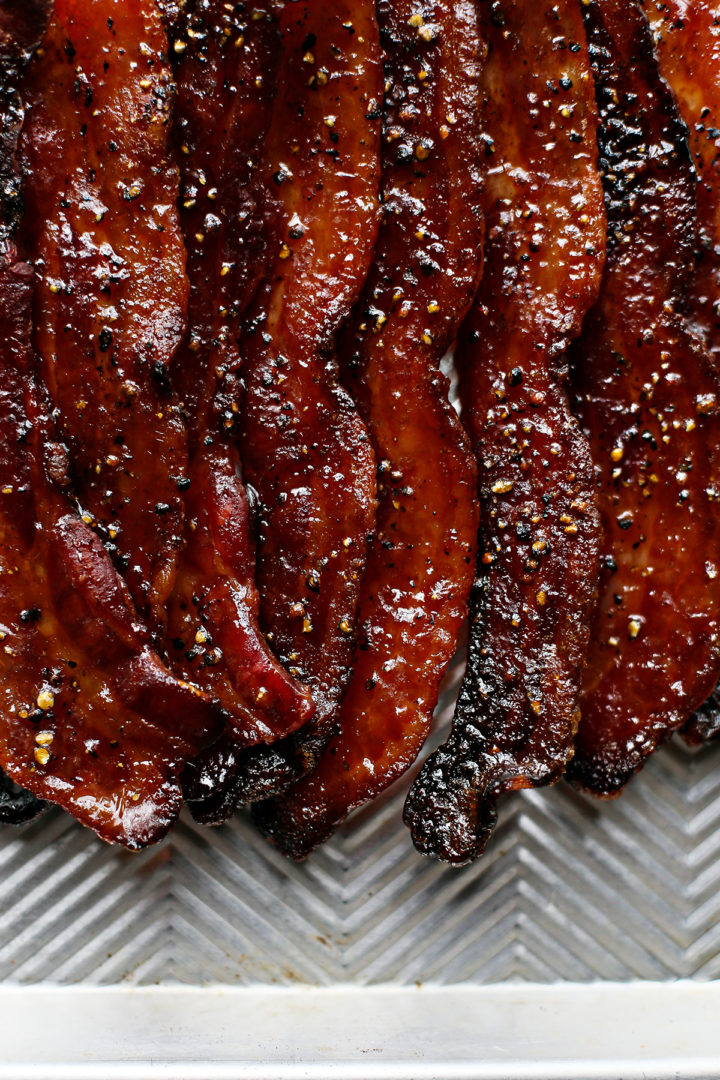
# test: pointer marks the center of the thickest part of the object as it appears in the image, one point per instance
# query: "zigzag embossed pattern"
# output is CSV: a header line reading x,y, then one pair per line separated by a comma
x,y
569,889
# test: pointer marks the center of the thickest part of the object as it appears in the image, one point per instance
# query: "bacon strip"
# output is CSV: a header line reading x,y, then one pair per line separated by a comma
x,y
427,264
224,65
78,676
517,712
648,399
111,297
687,44
304,448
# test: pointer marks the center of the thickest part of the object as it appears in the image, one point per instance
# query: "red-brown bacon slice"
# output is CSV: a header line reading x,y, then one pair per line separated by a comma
x,y
21,27
648,399
78,679
304,448
427,264
111,297
687,44
537,572
224,64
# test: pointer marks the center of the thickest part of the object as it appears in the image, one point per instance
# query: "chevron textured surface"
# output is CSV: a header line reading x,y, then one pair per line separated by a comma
x,y
570,889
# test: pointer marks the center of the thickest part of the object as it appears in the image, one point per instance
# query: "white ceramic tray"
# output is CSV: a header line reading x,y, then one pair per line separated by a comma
x,y
608,1032
210,956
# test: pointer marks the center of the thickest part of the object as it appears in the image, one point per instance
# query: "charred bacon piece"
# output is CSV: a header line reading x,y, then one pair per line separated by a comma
x,y
78,678
517,711
111,297
427,264
648,399
223,64
687,45
304,448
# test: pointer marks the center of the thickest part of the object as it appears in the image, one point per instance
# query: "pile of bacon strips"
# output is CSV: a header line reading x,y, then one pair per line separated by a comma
x,y
241,525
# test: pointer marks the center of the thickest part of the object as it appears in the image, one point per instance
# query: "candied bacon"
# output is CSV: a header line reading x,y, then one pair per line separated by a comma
x,y
426,268
89,714
304,448
111,295
530,612
687,44
223,63
647,396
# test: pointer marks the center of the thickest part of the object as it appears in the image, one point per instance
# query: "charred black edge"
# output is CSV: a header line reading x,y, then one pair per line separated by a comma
x,y
259,773
619,189
267,771
451,810
216,810
288,838
17,806
253,775
293,840
450,813
606,781
207,785
451,816
704,726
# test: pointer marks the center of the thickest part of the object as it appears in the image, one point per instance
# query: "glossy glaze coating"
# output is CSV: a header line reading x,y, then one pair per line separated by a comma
x,y
223,62
304,448
427,264
647,397
78,679
111,298
687,44
538,561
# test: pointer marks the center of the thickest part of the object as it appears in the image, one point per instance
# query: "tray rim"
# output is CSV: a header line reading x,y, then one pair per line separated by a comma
x,y
522,1031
